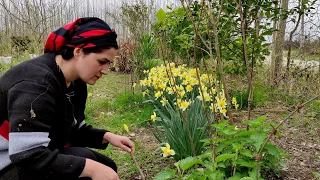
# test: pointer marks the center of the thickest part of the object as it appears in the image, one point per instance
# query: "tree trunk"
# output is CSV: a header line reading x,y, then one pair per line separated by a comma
x,y
272,58
302,36
290,41
278,51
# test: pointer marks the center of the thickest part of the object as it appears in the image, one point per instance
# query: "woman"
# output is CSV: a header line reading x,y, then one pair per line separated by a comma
x,y
43,134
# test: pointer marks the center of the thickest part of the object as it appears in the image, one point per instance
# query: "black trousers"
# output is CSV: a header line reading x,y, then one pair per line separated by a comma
x,y
12,173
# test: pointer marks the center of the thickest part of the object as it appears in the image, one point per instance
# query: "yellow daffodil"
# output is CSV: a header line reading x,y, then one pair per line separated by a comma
x,y
154,117
171,81
181,93
234,100
134,85
167,151
164,101
206,96
188,77
204,78
175,72
144,93
126,128
145,71
158,94
193,72
162,86
179,101
223,111
169,90
236,128
184,105
193,81
189,88
185,82
213,91
236,106
222,103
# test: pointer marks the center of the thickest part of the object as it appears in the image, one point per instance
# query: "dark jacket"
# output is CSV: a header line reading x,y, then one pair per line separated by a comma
x,y
44,116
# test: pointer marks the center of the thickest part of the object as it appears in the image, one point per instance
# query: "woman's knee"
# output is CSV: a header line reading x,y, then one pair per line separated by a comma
x,y
105,160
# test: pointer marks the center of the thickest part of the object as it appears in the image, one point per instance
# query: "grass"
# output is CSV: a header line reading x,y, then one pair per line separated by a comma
x,y
111,104
306,57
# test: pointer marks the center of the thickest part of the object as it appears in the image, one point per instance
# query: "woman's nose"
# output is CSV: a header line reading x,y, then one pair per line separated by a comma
x,y
105,69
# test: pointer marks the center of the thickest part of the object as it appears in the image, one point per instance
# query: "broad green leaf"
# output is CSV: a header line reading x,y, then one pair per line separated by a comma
x,y
229,132
258,139
188,162
245,163
247,153
246,178
237,176
161,15
217,175
252,174
224,157
273,150
166,174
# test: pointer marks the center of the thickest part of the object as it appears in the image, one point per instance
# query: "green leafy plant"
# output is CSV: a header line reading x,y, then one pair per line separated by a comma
x,y
144,58
236,152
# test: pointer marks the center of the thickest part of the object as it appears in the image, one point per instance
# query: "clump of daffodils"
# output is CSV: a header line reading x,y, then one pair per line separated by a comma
x,y
234,103
166,151
180,86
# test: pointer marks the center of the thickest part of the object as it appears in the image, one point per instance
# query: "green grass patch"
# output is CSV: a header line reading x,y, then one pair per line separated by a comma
x,y
260,96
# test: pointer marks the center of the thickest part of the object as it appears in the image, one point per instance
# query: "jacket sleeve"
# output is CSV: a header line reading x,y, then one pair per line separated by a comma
x,y
88,136
85,135
31,108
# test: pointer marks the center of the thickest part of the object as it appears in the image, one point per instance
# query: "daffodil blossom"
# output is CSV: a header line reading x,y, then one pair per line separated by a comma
x,y
234,100
189,88
184,105
158,94
164,101
126,128
154,117
167,151
223,111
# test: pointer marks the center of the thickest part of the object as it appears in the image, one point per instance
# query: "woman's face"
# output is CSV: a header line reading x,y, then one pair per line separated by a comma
x,y
92,66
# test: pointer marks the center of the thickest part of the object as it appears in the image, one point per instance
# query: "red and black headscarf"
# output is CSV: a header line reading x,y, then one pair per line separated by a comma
x,y
82,33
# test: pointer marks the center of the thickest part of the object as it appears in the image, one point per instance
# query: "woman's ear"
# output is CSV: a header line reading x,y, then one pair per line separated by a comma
x,y
77,52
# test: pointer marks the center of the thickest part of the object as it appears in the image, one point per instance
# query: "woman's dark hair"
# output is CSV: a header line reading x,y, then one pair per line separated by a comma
x,y
67,52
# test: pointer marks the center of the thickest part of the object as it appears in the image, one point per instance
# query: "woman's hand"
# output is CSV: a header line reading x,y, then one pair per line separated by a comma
x,y
119,141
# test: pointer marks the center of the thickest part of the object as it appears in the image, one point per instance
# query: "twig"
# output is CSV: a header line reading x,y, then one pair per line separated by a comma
x,y
135,162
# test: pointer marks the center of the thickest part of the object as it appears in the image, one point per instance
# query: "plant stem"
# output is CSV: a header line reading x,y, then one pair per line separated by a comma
x,y
214,23
245,53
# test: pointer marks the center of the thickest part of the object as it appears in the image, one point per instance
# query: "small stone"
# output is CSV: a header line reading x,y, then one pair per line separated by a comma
x,y
132,134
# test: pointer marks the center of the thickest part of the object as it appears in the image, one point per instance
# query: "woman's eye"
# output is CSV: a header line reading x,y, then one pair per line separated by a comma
x,y
102,62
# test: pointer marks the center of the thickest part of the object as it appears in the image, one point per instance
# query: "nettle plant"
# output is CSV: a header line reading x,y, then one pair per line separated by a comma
x,y
235,155
180,118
